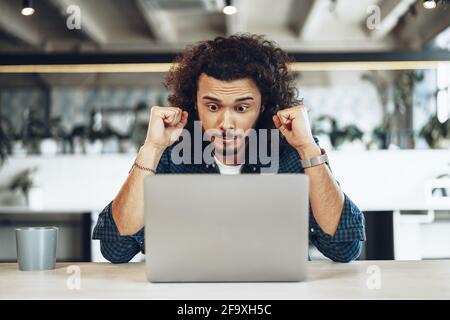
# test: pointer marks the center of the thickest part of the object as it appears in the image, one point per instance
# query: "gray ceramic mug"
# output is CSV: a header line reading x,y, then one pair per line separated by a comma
x,y
36,248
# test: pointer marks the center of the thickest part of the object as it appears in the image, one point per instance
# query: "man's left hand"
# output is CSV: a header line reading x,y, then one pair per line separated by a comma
x,y
294,125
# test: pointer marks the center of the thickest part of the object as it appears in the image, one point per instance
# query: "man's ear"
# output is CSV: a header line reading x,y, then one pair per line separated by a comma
x,y
263,107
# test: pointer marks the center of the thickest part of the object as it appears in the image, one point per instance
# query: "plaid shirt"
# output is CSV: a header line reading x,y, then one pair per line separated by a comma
x,y
343,246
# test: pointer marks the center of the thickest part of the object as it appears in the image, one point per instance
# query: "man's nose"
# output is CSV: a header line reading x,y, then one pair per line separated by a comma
x,y
227,122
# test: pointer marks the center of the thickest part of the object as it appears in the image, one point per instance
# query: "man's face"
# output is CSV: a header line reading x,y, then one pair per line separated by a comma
x,y
228,108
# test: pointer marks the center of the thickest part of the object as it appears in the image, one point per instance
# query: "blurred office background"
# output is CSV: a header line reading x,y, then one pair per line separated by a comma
x,y
77,78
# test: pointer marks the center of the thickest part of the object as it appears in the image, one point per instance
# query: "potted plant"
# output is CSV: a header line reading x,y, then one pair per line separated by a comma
x,y
381,134
23,182
140,125
436,134
402,135
5,140
395,128
338,136
55,137
34,131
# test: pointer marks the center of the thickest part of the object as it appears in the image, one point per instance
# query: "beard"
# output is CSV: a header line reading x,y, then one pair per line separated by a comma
x,y
229,149
230,145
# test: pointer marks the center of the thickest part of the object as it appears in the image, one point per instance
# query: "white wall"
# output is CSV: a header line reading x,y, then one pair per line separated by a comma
x,y
375,180
383,179
72,182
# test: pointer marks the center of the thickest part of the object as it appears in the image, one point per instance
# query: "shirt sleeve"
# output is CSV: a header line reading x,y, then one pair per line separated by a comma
x,y
345,245
113,246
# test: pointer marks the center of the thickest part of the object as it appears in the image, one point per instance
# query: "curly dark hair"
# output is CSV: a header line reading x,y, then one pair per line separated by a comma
x,y
232,58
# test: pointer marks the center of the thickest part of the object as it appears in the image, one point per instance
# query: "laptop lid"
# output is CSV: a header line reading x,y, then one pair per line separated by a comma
x,y
226,228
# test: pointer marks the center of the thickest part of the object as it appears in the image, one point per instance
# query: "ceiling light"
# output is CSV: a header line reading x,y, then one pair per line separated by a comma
x,y
27,8
229,8
429,4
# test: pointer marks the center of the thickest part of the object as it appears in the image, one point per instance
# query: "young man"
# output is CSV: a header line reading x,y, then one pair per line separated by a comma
x,y
231,86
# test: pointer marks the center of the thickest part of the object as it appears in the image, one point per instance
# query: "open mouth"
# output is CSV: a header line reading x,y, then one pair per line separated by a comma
x,y
227,139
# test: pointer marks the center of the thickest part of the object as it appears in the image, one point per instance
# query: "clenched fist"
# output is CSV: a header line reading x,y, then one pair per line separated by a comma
x,y
165,126
293,123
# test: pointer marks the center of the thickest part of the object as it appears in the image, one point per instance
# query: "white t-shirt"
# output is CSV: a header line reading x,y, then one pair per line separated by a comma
x,y
225,169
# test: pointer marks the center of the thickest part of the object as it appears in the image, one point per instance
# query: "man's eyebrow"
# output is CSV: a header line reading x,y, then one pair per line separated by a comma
x,y
211,98
237,100
245,98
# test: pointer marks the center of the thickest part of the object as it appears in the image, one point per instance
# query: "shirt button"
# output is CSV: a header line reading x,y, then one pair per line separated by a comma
x,y
312,229
254,168
207,165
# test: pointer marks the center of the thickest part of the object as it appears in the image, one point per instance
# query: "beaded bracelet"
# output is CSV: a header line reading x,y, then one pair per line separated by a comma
x,y
142,168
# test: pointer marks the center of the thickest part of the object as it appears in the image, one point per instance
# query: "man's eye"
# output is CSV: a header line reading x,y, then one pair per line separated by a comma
x,y
241,108
213,107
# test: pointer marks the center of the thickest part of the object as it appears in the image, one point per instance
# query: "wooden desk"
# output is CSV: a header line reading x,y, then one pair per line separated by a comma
x,y
326,280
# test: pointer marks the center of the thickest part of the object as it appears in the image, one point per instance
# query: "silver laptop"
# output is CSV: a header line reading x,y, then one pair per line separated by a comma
x,y
226,228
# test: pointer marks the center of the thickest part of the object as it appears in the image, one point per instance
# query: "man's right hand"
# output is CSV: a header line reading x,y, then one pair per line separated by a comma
x,y
165,126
